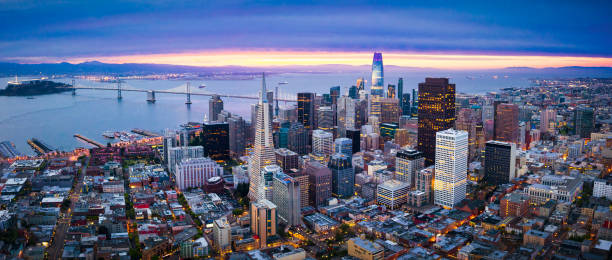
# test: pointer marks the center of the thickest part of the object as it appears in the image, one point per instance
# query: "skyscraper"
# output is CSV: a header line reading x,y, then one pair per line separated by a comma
x,y
424,181
546,117
297,138
267,181
345,114
325,118
222,233
405,104
436,113
263,147
355,136
353,92
344,146
287,199
237,135
390,111
169,142
500,158
306,109
584,118
451,167
215,105
320,179
390,91
322,142
377,75
506,123
263,220
177,154
400,92
467,121
360,84
334,93
287,159
392,193
343,175
407,164
216,140
303,179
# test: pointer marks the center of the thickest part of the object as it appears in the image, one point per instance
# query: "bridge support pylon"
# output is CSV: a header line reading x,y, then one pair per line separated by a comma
x,y
119,90
73,88
151,96
188,102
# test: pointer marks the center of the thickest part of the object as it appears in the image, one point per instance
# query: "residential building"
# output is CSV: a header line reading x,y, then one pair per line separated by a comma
x,y
177,154
407,164
222,233
263,220
365,250
194,172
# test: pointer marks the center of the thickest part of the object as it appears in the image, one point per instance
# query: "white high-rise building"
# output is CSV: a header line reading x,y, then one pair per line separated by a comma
x,y
451,167
602,188
222,233
177,154
193,172
346,114
287,199
263,147
322,142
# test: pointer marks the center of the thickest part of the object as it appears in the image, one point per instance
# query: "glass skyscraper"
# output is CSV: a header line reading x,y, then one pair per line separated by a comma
x,y
377,75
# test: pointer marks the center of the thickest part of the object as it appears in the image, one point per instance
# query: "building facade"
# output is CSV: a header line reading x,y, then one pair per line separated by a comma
x,y
194,172
343,175
451,167
436,112
500,161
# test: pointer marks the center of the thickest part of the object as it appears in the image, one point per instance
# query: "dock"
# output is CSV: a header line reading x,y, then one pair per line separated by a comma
x,y
87,140
144,132
39,147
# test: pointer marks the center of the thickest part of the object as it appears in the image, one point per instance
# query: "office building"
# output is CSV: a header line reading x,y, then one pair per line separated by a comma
x,y
355,136
391,91
343,175
170,141
602,188
346,114
222,234
584,118
360,84
404,104
344,146
263,220
559,188
407,164
499,163
287,199
306,110
215,105
365,250
177,154
194,172
387,131
400,92
547,120
467,120
392,194
237,135
436,111
424,182
515,204
320,178
302,179
353,92
266,189
322,142
263,147
297,138
287,159
377,76
390,110
334,94
506,123
451,167
216,141
325,119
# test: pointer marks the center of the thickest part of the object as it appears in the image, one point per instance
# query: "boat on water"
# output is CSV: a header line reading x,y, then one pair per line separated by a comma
x,y
109,134
202,86
283,83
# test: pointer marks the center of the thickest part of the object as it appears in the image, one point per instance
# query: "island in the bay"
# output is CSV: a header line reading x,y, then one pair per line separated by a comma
x,y
33,88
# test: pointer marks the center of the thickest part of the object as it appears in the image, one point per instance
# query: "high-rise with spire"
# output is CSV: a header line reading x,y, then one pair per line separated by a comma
x,y
263,147
376,91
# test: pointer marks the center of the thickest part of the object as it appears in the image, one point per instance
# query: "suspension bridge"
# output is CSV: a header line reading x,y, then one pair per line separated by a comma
x,y
184,89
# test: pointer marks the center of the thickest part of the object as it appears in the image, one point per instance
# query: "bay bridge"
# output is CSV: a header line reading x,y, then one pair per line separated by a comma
x,y
184,89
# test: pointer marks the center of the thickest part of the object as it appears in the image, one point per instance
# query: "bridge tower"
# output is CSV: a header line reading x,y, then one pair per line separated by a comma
x,y
73,88
151,96
188,102
119,90
276,96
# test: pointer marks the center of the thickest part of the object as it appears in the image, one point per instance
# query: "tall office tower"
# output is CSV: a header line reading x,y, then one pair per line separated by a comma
x,y
215,105
177,154
223,116
297,138
415,103
500,158
288,114
344,146
360,84
377,75
237,135
194,172
402,137
320,178
306,109
345,114
466,121
387,131
391,91
374,121
263,220
361,113
267,181
287,199
355,136
263,147
216,140
334,93
353,92
400,92
436,113
222,233
322,142
302,178
424,181
287,159
281,137
325,119
343,175
584,118
392,194
547,116
390,111
506,123
407,164
169,142
405,104
451,167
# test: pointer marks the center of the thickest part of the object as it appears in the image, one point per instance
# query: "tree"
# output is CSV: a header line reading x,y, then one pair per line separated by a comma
x,y
237,212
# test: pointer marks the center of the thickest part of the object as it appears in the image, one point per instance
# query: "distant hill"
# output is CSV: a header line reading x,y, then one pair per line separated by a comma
x,y
125,69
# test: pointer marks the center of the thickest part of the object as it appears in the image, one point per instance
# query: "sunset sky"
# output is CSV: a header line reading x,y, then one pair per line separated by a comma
x,y
433,34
